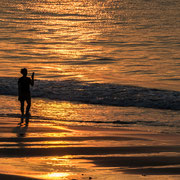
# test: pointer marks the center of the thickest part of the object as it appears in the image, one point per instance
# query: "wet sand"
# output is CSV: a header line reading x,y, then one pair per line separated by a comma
x,y
43,150
12,177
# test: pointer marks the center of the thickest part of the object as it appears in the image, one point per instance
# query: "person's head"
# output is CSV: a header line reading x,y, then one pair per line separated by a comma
x,y
24,72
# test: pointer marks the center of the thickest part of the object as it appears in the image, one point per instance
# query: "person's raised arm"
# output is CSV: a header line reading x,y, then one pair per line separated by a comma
x,y
32,79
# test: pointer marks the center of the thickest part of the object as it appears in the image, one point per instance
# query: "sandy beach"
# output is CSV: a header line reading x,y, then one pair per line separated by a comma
x,y
44,149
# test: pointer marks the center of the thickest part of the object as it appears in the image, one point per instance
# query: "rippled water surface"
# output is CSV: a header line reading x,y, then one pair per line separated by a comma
x,y
113,41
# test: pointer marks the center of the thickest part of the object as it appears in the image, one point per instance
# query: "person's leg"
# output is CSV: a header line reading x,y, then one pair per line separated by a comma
x,y
22,107
28,106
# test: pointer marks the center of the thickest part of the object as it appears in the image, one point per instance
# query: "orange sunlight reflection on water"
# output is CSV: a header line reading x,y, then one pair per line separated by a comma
x,y
56,110
55,175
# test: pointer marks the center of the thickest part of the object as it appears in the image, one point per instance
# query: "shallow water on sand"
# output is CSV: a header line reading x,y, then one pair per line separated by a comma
x,y
80,114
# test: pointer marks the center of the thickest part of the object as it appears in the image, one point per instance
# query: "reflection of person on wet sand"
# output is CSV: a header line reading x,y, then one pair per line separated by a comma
x,y
24,93
21,130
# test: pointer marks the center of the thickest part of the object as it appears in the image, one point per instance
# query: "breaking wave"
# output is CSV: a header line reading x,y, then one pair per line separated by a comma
x,y
98,93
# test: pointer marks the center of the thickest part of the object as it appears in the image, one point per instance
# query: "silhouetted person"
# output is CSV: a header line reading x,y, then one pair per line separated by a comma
x,y
24,93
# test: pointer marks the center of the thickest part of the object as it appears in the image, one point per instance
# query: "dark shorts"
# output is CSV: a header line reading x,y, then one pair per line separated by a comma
x,y
24,97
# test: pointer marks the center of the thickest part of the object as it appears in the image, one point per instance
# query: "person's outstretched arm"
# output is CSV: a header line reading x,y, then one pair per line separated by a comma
x,y
32,79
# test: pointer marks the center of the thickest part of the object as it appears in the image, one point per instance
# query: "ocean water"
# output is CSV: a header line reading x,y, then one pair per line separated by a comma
x,y
116,54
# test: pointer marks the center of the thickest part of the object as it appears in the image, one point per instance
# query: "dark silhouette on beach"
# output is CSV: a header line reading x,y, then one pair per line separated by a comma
x,y
24,93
